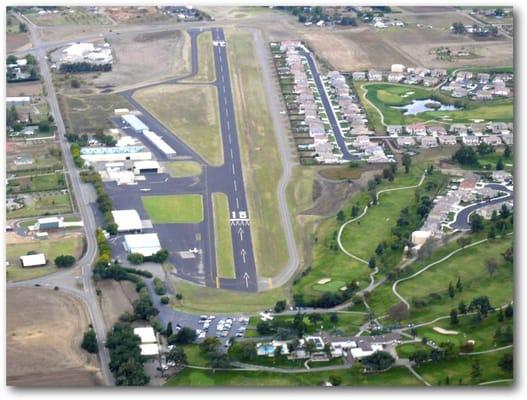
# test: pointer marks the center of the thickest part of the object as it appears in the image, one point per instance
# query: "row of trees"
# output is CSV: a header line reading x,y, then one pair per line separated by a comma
x,y
84,67
159,257
103,200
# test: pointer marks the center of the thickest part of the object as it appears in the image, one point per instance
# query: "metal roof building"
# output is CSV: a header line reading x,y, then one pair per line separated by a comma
x,y
135,123
158,141
33,260
127,220
146,244
146,334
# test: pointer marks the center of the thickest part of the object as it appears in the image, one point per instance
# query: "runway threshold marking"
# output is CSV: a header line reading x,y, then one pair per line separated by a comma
x,y
217,282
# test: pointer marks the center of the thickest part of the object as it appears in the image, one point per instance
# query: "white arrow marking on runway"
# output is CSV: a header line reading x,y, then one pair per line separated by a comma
x,y
246,277
243,253
240,232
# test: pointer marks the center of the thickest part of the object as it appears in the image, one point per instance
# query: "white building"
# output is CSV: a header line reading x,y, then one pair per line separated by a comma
x,y
33,260
135,123
101,154
127,220
146,244
149,345
146,167
158,141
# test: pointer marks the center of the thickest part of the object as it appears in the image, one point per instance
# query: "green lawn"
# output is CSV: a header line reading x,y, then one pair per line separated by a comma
x,y
200,299
222,236
71,245
259,152
469,265
193,377
194,355
37,183
407,349
459,369
46,203
172,209
191,113
183,169
386,95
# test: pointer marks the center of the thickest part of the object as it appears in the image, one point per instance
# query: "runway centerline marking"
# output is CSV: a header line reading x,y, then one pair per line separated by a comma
x,y
231,153
235,187
237,203
233,172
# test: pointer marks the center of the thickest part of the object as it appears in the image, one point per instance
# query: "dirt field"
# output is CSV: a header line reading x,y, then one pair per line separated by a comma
x,y
44,331
15,41
116,299
147,57
24,89
127,15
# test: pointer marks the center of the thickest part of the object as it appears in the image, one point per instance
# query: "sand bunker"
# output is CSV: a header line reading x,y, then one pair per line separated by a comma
x,y
444,331
324,281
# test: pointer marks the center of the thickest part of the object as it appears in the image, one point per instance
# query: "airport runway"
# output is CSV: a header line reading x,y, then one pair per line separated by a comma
x,y
227,179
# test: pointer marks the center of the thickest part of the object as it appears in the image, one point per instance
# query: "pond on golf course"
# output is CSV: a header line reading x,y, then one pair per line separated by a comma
x,y
419,106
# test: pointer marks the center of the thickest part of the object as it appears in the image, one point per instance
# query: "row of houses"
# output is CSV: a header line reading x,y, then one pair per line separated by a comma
x,y
427,142
309,105
478,86
461,130
401,74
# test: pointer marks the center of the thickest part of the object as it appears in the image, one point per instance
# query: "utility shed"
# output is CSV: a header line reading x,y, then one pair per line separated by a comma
x,y
135,123
127,220
33,260
146,244
49,223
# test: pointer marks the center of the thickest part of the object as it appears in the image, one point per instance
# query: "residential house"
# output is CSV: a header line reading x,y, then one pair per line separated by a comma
x,y
416,129
507,139
359,76
501,91
483,95
374,75
459,92
436,130
459,129
428,142
403,141
447,140
470,140
429,81
395,77
483,77
501,176
492,140
394,130
438,72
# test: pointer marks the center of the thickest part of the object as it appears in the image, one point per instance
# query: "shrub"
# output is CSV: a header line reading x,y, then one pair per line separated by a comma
x,y
89,342
64,261
136,258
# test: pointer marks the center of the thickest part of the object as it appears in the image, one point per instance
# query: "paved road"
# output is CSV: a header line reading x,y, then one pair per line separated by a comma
x,y
462,218
327,106
82,198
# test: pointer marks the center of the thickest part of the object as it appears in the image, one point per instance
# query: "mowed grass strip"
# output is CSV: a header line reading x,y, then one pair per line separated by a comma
x,y
259,152
69,245
194,377
174,209
222,236
183,169
191,113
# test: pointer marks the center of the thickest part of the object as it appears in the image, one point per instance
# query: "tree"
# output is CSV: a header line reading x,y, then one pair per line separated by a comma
x,y
185,335
112,228
89,342
340,216
334,318
462,307
75,84
476,223
459,285
11,59
507,152
509,311
507,362
210,344
480,304
499,165
475,373
335,380
280,306
218,360
64,261
246,351
177,355
453,317
492,233
398,312
264,328
466,155
451,290
407,162
169,331
419,357
136,258
378,361
379,249
500,316
491,266
504,211
315,318
458,28
372,263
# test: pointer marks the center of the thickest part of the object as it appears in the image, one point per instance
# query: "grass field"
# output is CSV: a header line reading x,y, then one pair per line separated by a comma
x,y
356,238
407,349
193,377
206,70
174,209
191,113
200,299
37,183
84,114
459,369
46,203
386,95
260,157
183,169
70,245
222,236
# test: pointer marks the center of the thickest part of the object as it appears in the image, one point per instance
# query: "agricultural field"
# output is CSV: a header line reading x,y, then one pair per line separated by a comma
x,y
222,236
37,183
380,99
47,325
191,113
69,16
174,209
43,203
27,157
259,154
31,88
67,244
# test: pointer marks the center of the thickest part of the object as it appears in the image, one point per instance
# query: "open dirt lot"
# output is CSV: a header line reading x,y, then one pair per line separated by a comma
x,y
147,57
24,89
15,41
129,15
44,331
116,299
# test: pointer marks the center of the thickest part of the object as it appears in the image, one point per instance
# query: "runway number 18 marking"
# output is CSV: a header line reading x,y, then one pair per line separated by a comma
x,y
239,218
